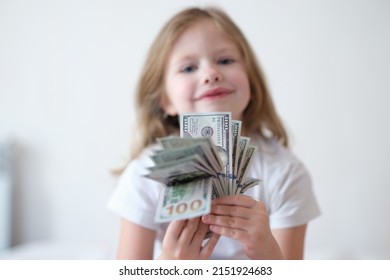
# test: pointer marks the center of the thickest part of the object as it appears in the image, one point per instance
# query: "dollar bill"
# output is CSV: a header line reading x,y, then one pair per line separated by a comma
x,y
246,184
236,133
245,164
209,160
184,201
211,125
185,146
243,145
173,174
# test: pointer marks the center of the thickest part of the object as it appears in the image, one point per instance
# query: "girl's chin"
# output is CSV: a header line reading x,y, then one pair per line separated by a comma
x,y
219,109
208,109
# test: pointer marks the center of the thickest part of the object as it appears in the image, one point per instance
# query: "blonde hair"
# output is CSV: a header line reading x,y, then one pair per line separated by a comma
x,y
260,115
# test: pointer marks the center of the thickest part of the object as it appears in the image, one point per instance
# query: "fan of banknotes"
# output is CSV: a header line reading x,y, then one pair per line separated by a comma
x,y
210,159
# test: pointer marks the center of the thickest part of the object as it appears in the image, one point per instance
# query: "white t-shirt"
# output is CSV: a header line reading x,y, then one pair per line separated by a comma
x,y
286,190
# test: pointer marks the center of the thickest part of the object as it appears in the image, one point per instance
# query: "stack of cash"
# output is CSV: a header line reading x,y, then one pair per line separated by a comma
x,y
210,159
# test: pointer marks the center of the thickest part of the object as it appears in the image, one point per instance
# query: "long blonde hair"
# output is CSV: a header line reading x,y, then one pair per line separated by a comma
x,y
260,115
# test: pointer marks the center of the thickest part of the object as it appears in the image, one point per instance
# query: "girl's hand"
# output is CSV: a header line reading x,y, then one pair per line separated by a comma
x,y
246,220
183,241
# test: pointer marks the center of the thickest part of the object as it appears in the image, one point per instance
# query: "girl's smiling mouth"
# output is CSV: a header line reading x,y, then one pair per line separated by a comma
x,y
214,93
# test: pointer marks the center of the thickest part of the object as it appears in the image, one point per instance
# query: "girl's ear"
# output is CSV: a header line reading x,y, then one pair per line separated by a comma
x,y
167,106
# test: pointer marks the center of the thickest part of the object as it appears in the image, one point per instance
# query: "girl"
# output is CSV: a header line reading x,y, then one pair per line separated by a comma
x,y
201,62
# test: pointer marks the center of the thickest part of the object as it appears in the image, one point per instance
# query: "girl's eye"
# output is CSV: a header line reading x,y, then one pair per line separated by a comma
x,y
225,61
188,69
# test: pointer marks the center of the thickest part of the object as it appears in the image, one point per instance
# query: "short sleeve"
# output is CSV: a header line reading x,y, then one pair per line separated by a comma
x,y
135,196
293,202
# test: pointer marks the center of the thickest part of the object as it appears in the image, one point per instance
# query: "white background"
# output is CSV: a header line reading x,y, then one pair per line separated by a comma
x,y
68,70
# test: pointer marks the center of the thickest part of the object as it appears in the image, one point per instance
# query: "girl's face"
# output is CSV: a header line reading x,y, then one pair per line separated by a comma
x,y
205,73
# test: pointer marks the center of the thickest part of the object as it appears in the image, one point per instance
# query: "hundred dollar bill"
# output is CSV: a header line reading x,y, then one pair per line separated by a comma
x,y
209,160
185,170
246,162
184,146
216,126
171,142
243,145
184,201
246,184
219,189
177,156
236,133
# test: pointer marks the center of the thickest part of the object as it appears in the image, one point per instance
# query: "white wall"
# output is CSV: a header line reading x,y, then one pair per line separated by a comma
x,y
67,74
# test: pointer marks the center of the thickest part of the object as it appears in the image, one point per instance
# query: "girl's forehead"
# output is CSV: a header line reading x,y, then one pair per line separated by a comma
x,y
205,27
204,33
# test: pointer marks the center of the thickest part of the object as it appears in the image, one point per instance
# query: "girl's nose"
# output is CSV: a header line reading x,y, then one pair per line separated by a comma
x,y
211,75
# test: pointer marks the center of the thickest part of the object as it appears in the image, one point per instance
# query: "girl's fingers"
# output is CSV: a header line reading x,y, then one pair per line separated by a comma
x,y
234,233
233,211
184,239
208,248
200,233
245,207
226,221
237,200
188,231
237,217
175,228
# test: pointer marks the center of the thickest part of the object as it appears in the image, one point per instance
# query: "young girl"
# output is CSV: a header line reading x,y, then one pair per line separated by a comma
x,y
201,62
